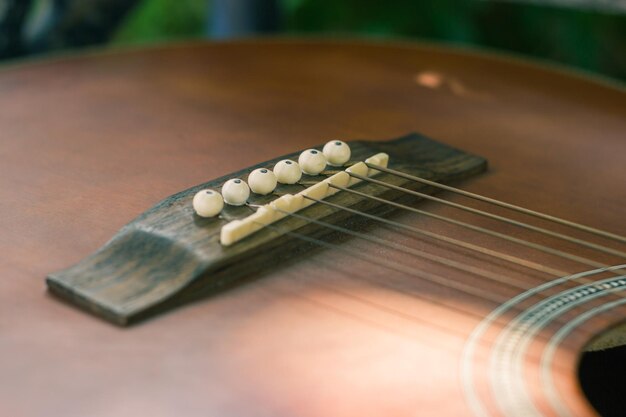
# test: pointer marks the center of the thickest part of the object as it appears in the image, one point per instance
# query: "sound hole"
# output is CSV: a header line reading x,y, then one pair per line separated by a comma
x,y
602,376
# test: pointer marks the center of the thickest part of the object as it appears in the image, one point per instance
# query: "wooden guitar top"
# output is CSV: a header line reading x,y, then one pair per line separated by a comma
x,y
88,143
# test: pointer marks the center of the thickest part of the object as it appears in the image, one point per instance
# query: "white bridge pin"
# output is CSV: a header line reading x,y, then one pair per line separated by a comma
x,y
207,203
337,153
312,161
235,192
262,181
287,172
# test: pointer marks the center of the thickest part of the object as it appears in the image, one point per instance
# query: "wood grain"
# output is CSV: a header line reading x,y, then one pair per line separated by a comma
x,y
90,142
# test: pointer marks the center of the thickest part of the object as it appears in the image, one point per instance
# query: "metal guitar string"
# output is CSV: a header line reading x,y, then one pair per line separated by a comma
x,y
394,266
467,289
453,264
554,273
437,279
411,251
438,259
485,251
581,242
411,271
535,246
522,242
462,286
493,201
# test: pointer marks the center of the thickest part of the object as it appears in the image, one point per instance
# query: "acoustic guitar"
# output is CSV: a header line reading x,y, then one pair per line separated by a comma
x,y
459,262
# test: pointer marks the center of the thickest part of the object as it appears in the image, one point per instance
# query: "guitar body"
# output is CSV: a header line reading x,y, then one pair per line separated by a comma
x,y
87,144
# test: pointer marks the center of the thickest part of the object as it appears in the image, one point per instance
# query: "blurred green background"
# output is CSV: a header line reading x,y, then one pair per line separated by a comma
x,y
588,35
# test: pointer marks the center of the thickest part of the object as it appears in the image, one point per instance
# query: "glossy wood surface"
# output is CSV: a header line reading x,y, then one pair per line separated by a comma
x,y
88,143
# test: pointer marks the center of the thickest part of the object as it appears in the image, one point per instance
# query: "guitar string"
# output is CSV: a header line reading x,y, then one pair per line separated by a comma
x,y
485,251
492,216
436,325
453,264
547,232
442,326
434,258
500,203
532,245
437,279
439,325
449,263
417,253
553,273
501,218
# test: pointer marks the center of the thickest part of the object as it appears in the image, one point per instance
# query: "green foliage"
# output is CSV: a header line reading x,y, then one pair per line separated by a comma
x,y
162,20
591,40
